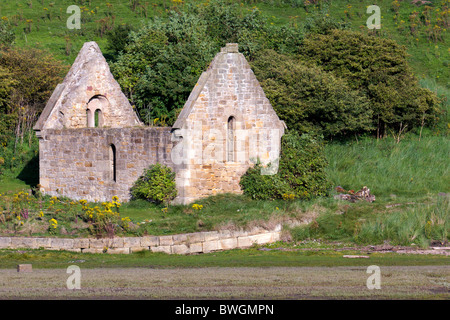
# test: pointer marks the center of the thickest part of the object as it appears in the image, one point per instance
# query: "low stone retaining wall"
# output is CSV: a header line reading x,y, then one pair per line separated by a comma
x,y
199,242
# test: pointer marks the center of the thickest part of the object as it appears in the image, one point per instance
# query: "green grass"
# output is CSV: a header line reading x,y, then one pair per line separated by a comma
x,y
411,168
405,177
428,59
13,185
42,259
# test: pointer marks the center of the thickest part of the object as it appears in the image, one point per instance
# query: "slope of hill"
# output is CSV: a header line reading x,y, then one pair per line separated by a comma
x,y
422,28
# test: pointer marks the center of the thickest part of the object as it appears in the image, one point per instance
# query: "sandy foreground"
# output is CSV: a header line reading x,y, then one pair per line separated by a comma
x,y
414,282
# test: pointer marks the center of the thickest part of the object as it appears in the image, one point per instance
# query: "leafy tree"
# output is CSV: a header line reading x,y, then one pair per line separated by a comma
x,y
28,77
378,67
161,64
162,61
308,98
118,39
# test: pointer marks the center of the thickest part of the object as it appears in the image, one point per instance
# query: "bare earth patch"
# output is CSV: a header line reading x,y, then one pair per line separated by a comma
x,y
405,282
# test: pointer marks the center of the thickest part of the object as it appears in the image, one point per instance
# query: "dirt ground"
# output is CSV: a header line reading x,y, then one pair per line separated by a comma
x,y
418,282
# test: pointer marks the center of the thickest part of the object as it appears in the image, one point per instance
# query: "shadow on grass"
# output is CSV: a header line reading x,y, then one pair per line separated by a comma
x,y
30,172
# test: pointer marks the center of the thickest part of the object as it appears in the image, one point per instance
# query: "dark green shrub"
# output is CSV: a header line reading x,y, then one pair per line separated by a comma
x,y
308,98
263,187
301,171
157,184
378,68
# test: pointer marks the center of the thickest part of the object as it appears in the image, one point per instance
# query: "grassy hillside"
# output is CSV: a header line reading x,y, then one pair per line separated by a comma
x,y
42,23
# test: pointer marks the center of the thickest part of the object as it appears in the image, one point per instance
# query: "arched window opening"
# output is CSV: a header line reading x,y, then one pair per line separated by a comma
x,y
90,120
96,107
113,162
231,139
98,121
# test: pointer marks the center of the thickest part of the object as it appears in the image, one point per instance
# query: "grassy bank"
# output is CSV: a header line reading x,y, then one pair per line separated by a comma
x,y
408,169
410,180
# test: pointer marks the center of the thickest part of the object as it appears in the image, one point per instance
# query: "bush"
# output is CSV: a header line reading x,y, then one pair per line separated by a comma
x,y
301,171
309,99
7,35
377,67
157,184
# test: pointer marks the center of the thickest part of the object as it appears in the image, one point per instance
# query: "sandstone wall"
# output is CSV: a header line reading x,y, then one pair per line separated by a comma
x,y
189,243
226,125
80,163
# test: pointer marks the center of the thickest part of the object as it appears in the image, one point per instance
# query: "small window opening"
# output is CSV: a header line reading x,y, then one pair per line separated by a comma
x,y
112,162
230,139
98,121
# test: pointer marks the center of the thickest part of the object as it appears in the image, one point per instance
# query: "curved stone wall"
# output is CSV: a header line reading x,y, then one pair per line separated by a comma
x,y
187,243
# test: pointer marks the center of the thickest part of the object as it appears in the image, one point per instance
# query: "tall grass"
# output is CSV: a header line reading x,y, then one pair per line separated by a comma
x,y
408,175
418,224
409,168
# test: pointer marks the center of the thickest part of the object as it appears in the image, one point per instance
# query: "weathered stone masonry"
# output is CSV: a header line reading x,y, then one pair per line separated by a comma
x,y
99,163
187,243
93,146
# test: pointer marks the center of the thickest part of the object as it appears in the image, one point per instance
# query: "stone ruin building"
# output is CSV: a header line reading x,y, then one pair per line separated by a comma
x,y
93,146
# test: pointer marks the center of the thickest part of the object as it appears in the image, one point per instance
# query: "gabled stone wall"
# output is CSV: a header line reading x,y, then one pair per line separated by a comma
x,y
226,125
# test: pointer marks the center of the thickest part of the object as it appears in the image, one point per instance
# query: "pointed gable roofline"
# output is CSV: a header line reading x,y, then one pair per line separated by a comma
x,y
88,77
230,60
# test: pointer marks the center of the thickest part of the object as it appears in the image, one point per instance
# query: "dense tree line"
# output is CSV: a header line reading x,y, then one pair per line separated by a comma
x,y
320,76
28,77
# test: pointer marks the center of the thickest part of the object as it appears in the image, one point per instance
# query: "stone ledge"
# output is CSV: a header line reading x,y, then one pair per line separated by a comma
x,y
187,243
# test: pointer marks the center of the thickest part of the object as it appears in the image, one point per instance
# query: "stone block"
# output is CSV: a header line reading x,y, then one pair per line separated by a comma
x,y
81,243
118,250
5,242
43,242
179,238
262,238
60,243
196,247
180,249
20,242
24,268
244,242
276,236
98,243
149,241
131,242
165,249
211,235
195,237
209,246
165,240
227,244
